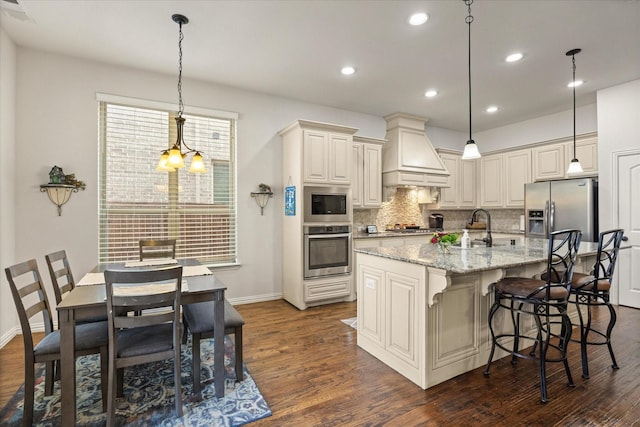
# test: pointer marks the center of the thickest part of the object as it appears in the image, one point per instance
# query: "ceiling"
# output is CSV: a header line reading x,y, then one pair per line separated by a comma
x,y
295,49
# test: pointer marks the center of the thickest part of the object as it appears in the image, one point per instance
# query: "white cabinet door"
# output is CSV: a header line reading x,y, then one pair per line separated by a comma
x,y
462,191
491,181
449,195
371,303
468,190
517,173
357,187
372,176
549,162
587,154
401,320
316,156
340,148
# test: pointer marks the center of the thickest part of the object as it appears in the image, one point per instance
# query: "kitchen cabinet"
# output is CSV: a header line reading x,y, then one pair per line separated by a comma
x,y
327,157
366,179
491,181
317,154
462,191
517,173
586,152
550,161
502,179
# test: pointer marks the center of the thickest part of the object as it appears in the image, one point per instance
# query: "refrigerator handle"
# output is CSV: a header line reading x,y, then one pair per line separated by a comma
x,y
552,214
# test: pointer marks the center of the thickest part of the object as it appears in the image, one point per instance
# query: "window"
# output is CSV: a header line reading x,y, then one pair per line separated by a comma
x,y
138,202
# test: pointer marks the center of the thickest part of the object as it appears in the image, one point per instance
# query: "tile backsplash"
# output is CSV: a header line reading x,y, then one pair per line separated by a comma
x,y
403,208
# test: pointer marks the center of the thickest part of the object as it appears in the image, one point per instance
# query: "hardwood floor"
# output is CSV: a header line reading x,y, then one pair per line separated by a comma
x,y
311,372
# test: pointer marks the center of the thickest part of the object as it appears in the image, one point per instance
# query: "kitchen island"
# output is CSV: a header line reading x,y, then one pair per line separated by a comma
x,y
424,312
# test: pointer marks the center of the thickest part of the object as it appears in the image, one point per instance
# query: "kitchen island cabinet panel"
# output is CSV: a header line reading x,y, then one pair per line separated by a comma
x,y
435,306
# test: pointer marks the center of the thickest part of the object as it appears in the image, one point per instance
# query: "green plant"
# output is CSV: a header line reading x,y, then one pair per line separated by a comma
x,y
449,238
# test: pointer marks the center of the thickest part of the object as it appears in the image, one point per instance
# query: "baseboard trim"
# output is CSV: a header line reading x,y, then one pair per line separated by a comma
x,y
255,298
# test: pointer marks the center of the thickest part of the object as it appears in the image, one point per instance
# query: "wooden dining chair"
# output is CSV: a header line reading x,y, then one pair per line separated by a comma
x,y
199,320
30,299
153,336
150,249
60,272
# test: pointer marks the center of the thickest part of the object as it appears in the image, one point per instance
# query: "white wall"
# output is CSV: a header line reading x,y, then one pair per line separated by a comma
x,y
8,318
56,123
618,130
540,129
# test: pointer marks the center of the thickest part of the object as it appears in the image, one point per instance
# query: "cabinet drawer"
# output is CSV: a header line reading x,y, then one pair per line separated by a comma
x,y
323,289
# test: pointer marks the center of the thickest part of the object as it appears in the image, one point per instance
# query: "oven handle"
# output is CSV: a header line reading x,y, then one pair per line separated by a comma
x,y
327,236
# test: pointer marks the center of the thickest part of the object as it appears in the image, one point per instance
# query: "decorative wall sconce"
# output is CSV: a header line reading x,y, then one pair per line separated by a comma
x,y
60,187
262,196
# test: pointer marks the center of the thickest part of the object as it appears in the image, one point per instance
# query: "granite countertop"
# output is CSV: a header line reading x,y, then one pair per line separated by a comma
x,y
383,234
503,255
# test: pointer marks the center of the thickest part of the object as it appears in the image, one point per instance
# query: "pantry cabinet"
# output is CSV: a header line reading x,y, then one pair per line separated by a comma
x,y
316,154
366,179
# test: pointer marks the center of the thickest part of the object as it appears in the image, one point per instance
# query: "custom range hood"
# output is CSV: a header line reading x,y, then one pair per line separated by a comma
x,y
408,158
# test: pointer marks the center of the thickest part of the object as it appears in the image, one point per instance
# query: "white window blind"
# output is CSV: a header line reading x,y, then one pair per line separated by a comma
x,y
138,202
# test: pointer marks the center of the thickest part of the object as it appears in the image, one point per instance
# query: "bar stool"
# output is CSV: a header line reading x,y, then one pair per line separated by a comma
x,y
592,290
546,301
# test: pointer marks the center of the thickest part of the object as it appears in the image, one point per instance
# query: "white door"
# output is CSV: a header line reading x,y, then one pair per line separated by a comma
x,y
627,169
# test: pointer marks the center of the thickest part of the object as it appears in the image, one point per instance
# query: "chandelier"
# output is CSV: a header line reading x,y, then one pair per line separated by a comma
x,y
173,159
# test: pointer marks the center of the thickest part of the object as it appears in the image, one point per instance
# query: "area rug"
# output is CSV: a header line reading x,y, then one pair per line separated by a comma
x,y
352,321
148,396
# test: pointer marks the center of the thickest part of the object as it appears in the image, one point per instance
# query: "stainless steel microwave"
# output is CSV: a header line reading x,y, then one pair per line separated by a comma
x,y
327,204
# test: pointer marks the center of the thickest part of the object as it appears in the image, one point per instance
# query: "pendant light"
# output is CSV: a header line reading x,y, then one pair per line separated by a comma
x,y
173,159
574,166
470,149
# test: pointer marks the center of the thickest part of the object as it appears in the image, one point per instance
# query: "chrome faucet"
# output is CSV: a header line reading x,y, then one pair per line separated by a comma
x,y
488,240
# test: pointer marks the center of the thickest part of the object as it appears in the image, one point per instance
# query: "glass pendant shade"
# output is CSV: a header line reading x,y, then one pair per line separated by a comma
x,y
163,163
197,165
471,151
175,159
574,167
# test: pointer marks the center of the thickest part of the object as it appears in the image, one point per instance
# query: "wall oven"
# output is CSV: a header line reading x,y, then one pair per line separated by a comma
x,y
327,250
327,204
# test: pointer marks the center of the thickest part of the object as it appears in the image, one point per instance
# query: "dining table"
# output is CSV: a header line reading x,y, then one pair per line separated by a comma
x,y
88,300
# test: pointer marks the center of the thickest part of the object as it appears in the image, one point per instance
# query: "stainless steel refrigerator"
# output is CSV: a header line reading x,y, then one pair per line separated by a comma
x,y
558,205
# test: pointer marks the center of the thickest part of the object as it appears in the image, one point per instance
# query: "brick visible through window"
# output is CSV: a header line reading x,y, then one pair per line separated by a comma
x,y
138,202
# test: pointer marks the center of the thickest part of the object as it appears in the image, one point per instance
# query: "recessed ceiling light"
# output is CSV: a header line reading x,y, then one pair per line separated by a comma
x,y
431,93
492,109
576,83
418,18
348,70
514,57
